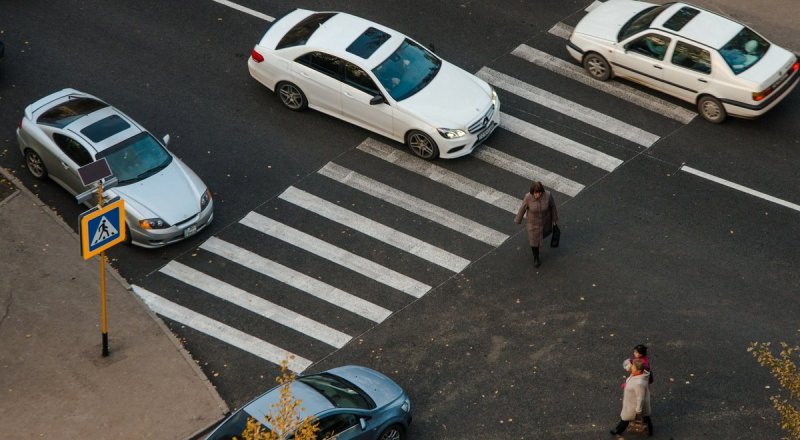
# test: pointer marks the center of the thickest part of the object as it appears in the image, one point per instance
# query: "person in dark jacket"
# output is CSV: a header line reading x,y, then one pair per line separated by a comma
x,y
540,212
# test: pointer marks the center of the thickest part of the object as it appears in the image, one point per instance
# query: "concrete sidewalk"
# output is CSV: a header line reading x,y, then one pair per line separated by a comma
x,y
54,383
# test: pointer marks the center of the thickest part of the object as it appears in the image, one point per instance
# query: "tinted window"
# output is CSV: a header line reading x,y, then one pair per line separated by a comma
x,y
691,57
335,424
651,45
358,78
301,32
235,426
680,18
367,43
407,70
73,149
640,21
322,62
136,158
62,114
744,50
338,391
105,128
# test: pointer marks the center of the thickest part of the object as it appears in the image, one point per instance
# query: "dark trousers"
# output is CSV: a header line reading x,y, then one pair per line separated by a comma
x,y
623,425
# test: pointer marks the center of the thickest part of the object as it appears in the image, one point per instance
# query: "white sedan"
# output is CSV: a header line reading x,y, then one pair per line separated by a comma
x,y
718,64
376,78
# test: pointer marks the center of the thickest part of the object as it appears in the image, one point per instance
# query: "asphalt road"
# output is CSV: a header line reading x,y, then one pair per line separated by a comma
x,y
650,253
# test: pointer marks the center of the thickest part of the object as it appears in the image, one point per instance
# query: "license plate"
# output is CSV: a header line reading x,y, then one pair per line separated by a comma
x,y
485,133
191,230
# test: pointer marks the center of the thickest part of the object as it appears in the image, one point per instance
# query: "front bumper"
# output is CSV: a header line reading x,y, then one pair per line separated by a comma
x,y
453,148
154,238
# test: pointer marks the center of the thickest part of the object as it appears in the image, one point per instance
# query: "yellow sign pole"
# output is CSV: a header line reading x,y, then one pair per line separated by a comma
x,y
103,315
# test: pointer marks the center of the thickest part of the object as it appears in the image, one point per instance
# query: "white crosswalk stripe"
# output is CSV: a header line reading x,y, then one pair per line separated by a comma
x,y
335,254
267,309
413,204
528,171
220,331
561,30
615,88
567,107
559,143
441,175
374,229
298,280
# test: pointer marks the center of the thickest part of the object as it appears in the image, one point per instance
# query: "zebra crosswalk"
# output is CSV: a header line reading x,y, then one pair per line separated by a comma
x,y
340,251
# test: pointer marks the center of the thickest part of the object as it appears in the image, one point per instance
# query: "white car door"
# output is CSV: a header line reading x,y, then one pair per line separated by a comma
x,y
317,74
689,71
358,91
643,59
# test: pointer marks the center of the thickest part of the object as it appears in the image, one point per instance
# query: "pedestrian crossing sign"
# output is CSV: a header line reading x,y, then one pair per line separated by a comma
x,y
102,228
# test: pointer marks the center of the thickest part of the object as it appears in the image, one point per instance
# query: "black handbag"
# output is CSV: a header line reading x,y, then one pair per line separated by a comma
x,y
556,238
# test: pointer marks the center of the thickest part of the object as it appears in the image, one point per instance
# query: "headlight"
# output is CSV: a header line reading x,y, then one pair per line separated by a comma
x,y
406,406
494,97
204,201
153,223
451,133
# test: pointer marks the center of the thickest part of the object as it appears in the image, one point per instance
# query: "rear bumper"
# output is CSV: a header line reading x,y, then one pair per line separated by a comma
x,y
743,110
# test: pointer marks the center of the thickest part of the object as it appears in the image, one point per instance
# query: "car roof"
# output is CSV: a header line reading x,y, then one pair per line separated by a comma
x,y
707,28
312,402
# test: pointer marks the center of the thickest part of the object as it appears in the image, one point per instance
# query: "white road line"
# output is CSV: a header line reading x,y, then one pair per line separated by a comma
x,y
413,204
438,174
300,281
246,10
528,171
559,143
255,304
374,229
218,330
337,255
567,107
594,4
741,188
561,30
615,88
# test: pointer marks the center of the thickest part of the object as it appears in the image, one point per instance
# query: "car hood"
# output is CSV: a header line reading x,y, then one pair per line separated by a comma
x,y
173,194
605,21
453,99
380,388
774,64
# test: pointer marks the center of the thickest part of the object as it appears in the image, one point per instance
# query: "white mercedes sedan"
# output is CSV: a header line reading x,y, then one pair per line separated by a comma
x,y
376,78
721,66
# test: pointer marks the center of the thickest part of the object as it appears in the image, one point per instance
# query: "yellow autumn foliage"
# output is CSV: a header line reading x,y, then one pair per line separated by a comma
x,y
784,368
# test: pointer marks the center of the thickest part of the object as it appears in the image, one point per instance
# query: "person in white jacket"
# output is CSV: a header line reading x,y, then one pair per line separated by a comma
x,y
635,399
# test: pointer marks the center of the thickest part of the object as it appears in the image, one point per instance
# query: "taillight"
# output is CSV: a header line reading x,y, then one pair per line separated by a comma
x,y
762,94
257,57
795,66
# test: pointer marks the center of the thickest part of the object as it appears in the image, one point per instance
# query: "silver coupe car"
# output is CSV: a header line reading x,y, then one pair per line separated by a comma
x,y
165,201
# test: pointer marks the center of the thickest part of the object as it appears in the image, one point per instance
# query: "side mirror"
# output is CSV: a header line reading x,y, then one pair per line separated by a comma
x,y
377,99
166,139
362,422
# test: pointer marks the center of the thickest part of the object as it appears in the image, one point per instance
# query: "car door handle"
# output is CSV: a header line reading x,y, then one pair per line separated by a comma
x,y
66,167
348,95
702,80
304,74
656,66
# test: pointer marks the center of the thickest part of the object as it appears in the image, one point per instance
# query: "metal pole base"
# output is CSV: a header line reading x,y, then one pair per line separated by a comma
x,y
105,344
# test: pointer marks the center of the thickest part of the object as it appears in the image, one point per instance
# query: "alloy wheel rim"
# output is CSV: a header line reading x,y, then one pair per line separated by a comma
x,y
711,110
421,146
35,164
596,68
291,97
391,435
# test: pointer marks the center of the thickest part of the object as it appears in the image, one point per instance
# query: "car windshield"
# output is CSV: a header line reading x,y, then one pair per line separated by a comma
x,y
136,158
339,392
744,50
235,426
407,70
640,21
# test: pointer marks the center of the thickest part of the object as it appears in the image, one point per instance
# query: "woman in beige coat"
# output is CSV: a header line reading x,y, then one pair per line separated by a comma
x,y
540,212
635,399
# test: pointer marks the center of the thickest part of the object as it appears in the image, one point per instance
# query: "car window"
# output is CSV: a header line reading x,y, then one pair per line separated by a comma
x,y
301,32
136,158
73,149
358,78
335,425
322,62
338,391
651,45
407,70
640,21
691,57
235,426
63,114
744,50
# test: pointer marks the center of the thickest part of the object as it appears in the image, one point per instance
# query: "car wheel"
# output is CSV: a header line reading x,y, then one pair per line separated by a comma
x,y
711,109
394,432
291,96
597,67
422,145
35,165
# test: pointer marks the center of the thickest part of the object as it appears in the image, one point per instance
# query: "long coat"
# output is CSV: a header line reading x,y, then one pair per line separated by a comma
x,y
540,217
636,398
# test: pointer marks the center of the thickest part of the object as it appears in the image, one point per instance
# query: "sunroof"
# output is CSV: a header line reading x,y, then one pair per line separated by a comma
x,y
105,128
680,18
367,43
